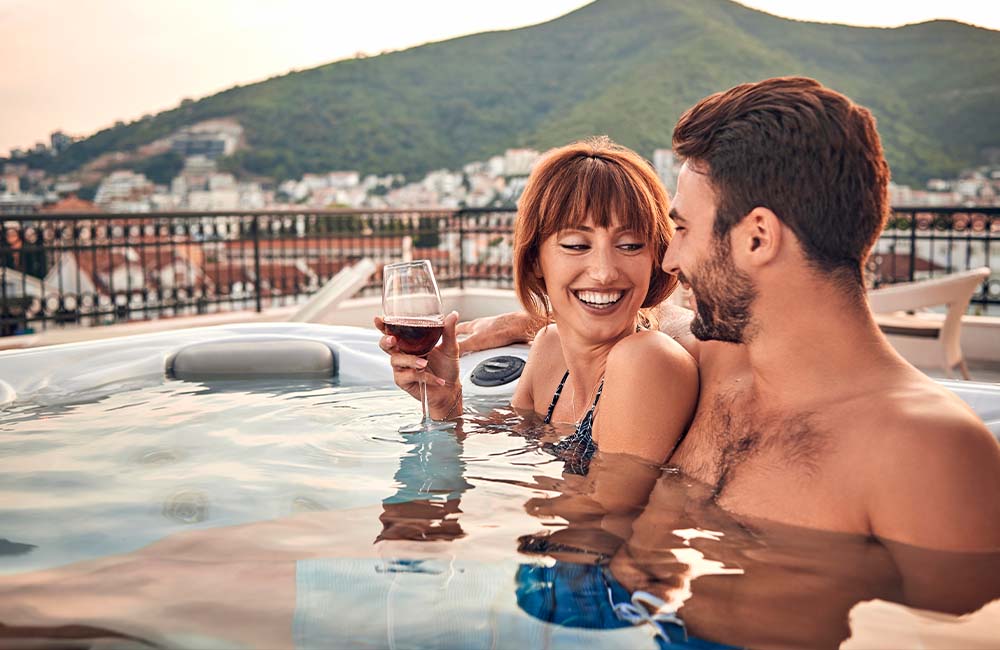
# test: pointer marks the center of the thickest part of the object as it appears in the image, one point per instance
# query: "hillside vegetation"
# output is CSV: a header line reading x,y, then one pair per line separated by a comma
x,y
626,68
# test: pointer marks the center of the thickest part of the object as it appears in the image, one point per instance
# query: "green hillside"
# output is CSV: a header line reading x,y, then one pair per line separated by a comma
x,y
626,68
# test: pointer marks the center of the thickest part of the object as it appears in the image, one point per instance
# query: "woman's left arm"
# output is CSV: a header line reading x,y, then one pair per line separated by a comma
x,y
650,394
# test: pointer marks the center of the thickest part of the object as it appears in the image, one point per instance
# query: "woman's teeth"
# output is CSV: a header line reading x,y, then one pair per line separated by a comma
x,y
600,299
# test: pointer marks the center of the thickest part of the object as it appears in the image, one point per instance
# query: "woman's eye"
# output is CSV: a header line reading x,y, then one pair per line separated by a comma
x,y
631,248
575,247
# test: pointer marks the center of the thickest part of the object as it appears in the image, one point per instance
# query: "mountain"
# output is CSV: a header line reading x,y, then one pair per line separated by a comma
x,y
626,68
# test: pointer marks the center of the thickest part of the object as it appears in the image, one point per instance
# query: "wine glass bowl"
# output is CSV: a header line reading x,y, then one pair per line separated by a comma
x,y
416,336
412,313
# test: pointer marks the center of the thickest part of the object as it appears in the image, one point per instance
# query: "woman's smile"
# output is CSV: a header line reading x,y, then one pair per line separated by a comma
x,y
599,300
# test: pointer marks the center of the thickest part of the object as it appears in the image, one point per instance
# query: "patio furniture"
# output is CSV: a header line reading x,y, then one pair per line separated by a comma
x,y
900,311
320,308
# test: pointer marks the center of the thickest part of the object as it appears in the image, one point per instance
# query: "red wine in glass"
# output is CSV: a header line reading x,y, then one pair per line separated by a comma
x,y
416,336
412,312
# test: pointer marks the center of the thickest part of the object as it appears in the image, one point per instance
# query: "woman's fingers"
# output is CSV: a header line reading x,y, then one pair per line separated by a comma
x,y
405,361
449,340
411,376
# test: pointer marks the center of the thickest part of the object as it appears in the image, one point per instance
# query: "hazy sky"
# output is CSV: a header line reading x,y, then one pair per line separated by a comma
x,y
79,65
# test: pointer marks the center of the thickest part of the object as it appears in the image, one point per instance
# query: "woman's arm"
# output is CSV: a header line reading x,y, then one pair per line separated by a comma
x,y
650,393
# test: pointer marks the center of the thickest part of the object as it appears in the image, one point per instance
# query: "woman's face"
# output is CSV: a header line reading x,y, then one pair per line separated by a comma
x,y
596,279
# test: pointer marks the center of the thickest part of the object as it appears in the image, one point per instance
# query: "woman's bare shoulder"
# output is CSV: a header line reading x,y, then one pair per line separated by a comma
x,y
545,355
636,353
546,345
651,383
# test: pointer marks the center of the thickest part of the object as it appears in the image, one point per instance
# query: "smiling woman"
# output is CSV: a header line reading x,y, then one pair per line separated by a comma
x,y
591,229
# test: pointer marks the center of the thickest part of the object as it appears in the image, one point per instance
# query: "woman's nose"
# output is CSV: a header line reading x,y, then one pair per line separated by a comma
x,y
604,268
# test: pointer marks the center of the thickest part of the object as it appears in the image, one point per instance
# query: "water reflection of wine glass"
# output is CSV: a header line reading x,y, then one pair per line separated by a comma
x,y
411,311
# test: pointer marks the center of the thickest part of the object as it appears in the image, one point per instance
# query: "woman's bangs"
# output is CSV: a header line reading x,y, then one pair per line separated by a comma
x,y
616,202
601,193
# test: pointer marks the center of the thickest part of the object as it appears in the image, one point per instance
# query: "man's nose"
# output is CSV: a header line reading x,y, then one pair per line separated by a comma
x,y
670,264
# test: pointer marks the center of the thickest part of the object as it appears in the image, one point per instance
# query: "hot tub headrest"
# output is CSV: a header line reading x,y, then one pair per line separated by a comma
x,y
243,358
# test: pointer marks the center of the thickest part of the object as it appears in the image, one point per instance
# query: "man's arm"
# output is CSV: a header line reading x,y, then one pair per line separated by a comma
x,y
936,507
497,331
935,482
520,327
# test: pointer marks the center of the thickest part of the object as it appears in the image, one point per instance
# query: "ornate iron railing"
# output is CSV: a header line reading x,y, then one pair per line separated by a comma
x,y
923,242
95,269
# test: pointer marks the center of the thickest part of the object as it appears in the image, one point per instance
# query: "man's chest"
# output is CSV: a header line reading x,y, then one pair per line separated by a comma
x,y
764,461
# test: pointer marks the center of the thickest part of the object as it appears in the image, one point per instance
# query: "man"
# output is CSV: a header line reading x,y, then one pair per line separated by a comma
x,y
806,414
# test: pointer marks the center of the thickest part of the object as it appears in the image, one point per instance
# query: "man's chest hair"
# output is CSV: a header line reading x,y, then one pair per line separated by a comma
x,y
735,437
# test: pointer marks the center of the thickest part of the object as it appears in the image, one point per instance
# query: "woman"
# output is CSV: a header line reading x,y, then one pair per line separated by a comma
x,y
591,229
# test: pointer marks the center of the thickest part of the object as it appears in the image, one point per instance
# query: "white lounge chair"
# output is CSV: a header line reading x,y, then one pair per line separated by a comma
x,y
320,308
895,307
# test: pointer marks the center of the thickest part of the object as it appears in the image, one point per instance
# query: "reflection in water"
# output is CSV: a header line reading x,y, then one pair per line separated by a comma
x,y
431,479
514,554
7,547
745,583
187,507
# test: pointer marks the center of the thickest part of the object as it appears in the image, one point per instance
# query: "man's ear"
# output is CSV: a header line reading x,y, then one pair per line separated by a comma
x,y
758,237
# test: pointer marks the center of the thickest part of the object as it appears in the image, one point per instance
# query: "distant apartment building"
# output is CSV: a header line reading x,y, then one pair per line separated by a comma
x,y
518,162
20,203
343,180
667,167
11,183
413,195
443,182
212,139
124,191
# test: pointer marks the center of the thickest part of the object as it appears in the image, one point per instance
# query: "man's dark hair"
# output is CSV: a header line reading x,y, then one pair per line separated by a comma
x,y
804,151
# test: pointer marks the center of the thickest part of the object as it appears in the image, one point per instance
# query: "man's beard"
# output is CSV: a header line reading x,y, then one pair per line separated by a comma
x,y
723,296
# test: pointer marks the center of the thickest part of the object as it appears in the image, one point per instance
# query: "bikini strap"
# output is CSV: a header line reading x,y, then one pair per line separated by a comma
x,y
555,398
589,416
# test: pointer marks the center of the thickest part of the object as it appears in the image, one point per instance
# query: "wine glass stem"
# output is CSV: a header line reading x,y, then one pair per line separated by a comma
x,y
423,400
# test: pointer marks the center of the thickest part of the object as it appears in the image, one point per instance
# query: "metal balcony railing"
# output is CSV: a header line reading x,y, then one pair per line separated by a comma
x,y
96,269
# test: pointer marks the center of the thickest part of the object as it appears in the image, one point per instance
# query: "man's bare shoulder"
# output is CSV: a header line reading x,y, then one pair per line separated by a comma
x,y
924,410
931,467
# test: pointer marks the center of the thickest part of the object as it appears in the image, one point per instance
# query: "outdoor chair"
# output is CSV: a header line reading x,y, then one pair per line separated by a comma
x,y
900,310
321,307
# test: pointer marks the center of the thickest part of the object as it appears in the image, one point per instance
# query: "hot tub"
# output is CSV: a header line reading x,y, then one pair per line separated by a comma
x,y
246,485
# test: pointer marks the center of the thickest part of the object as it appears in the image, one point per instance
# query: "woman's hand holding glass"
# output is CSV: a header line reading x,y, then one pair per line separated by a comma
x,y
440,370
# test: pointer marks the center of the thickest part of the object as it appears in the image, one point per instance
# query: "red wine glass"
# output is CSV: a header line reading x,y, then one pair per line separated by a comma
x,y
412,312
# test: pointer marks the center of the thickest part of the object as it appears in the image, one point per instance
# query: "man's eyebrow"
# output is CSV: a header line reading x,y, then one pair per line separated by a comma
x,y
675,215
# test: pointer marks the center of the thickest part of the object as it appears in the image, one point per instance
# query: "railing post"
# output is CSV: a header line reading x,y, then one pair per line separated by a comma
x,y
255,228
913,243
461,248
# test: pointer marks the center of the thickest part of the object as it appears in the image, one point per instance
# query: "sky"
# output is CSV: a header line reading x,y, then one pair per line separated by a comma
x,y
78,66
